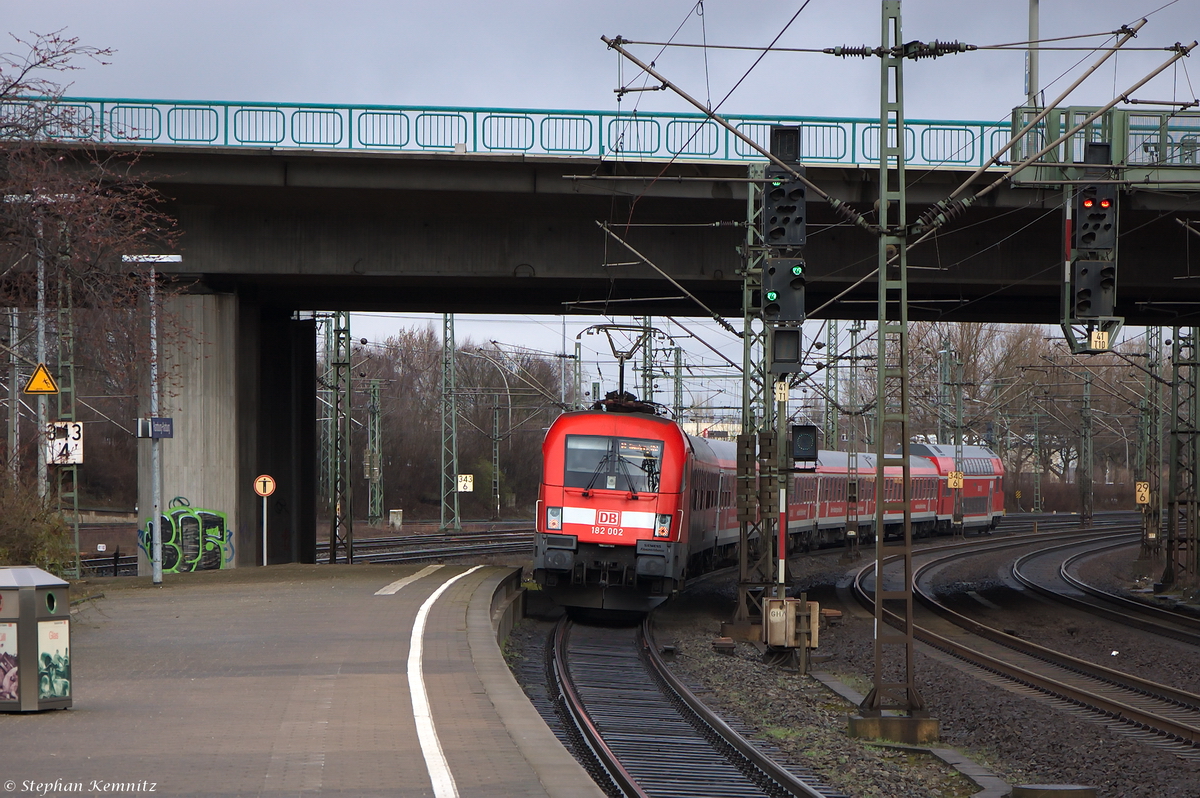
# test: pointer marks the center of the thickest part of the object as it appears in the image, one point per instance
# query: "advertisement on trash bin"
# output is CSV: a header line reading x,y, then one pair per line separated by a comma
x,y
54,659
8,662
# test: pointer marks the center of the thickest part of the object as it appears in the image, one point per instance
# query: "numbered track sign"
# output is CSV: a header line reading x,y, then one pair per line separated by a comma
x,y
64,443
1141,492
466,483
954,480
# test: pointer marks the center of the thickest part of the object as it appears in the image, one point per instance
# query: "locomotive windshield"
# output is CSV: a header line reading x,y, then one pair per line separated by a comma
x,y
607,463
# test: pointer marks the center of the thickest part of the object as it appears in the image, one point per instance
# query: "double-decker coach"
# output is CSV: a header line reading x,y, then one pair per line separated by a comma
x,y
829,504
983,485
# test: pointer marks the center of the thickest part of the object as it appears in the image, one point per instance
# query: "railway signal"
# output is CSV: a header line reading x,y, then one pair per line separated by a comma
x,y
1094,271
786,346
804,443
1090,283
783,281
1096,217
784,209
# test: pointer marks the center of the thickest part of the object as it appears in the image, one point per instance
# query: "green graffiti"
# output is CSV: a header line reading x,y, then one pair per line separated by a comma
x,y
193,539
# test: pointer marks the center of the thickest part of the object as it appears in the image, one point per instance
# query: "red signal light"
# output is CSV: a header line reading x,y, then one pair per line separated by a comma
x,y
1089,202
1105,203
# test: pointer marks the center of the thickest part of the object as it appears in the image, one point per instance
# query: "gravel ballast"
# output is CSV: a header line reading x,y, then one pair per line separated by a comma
x,y
1021,738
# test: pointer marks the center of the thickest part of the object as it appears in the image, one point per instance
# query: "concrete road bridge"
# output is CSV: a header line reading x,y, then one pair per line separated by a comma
x,y
287,208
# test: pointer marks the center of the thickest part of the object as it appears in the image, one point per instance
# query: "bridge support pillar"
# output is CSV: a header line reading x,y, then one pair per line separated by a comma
x,y
239,382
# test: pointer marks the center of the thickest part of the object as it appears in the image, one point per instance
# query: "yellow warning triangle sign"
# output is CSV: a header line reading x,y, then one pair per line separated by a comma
x,y
41,381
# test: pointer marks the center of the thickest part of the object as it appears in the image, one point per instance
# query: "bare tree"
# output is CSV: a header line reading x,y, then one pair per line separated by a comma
x,y
71,210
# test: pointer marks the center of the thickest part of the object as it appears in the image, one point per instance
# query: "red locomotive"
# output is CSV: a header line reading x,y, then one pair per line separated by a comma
x,y
630,505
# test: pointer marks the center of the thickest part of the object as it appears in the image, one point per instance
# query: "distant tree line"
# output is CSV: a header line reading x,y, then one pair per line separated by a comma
x,y
522,387
1023,396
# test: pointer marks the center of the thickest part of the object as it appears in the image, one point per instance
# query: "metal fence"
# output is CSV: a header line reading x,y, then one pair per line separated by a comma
x,y
1139,138
635,135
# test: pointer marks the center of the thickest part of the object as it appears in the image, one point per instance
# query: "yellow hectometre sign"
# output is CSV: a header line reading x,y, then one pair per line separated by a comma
x,y
41,381
1141,492
954,479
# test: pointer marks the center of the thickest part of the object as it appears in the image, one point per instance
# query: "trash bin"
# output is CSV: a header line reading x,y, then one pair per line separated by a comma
x,y
35,640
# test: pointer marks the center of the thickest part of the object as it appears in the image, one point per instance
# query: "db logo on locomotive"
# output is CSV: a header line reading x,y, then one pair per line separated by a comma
x,y
607,517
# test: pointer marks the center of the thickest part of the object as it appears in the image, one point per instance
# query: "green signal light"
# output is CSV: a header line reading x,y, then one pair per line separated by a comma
x,y
797,270
772,296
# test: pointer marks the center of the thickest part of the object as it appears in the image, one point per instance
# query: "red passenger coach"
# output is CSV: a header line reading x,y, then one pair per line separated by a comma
x,y
983,485
630,505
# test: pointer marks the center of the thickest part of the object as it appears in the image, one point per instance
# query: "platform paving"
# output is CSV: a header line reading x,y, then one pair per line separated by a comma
x,y
281,681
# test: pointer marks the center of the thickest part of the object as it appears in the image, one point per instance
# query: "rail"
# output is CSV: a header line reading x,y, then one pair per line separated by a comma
x,y
634,135
1136,704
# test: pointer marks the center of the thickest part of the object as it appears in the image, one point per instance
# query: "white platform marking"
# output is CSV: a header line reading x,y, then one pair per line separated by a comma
x,y
396,586
431,746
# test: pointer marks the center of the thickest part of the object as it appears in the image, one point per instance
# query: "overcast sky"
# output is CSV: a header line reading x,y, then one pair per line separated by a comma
x,y
548,54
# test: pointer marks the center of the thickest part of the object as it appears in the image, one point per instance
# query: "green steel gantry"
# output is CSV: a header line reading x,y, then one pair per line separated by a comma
x,y
757,467
894,685
341,510
373,459
449,404
68,474
1148,467
1181,565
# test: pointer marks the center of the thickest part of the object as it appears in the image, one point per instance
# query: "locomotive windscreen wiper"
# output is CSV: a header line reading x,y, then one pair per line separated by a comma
x,y
587,490
624,466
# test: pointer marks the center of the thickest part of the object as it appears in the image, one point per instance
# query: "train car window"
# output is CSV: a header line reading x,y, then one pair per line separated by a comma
x,y
608,463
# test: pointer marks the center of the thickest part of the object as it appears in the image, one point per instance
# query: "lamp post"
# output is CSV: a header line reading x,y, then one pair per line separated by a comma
x,y
155,442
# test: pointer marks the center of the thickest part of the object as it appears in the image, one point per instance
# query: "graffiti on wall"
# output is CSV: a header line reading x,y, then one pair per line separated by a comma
x,y
193,539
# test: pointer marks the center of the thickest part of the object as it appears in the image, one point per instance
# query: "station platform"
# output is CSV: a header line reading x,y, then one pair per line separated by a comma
x,y
291,680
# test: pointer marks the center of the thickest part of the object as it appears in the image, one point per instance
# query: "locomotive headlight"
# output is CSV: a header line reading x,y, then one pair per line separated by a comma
x,y
662,528
553,518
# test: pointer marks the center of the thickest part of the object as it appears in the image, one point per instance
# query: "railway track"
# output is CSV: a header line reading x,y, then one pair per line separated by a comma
x,y
1154,713
414,548
646,734
1049,573
125,565
398,548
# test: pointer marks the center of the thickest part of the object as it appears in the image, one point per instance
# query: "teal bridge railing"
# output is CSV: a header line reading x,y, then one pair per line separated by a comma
x,y
1140,137
636,135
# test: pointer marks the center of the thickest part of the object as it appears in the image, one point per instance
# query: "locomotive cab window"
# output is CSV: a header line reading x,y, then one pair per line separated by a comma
x,y
601,462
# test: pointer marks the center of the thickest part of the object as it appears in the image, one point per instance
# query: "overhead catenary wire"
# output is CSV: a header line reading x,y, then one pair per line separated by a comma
x,y
1129,33
945,210
715,316
839,207
707,109
774,49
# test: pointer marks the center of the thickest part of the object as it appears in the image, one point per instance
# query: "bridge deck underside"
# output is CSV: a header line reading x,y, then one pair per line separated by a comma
x,y
510,234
